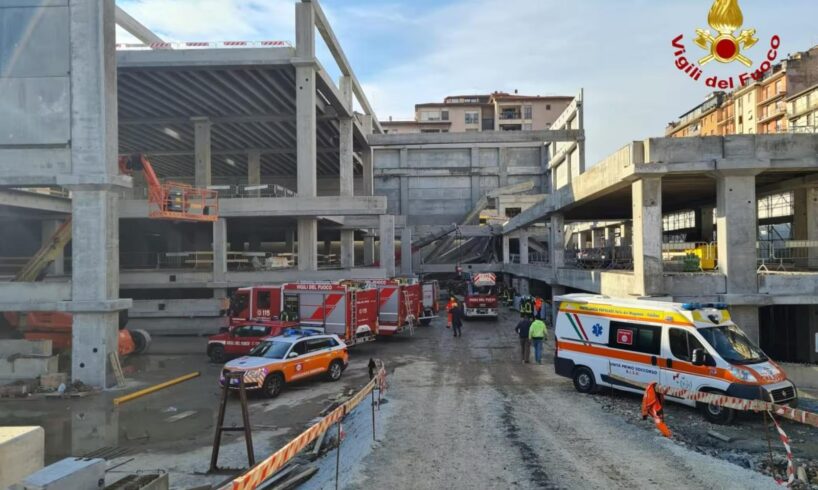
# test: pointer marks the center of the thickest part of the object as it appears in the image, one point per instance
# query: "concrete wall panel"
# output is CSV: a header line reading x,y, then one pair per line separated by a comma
x,y
387,158
35,111
523,157
440,158
488,157
34,42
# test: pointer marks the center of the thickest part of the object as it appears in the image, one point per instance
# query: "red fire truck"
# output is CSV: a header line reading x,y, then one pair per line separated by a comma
x,y
240,337
400,301
481,295
430,302
342,309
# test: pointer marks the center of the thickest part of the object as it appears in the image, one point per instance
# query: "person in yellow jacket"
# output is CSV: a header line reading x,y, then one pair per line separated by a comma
x,y
538,334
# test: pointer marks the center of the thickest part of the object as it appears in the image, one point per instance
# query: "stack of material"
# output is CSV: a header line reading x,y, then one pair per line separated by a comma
x,y
29,360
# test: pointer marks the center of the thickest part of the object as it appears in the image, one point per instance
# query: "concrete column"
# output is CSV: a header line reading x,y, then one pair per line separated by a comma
x,y
347,249
48,228
805,221
746,317
506,249
476,191
254,170
289,241
219,250
387,243
95,275
524,287
523,248
201,149
94,205
305,100
557,241
369,250
347,170
647,236
626,233
704,222
307,244
345,126
502,162
737,229
404,182
406,251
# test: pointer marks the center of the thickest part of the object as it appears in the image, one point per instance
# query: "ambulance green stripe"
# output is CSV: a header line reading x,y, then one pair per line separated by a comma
x,y
575,327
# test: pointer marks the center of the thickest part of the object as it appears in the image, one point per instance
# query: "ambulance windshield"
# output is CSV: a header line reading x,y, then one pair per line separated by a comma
x,y
732,345
271,349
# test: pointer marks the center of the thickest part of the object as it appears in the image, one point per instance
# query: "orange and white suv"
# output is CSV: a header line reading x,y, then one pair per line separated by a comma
x,y
293,356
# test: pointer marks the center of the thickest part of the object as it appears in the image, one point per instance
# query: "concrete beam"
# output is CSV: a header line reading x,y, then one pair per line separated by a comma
x,y
34,200
279,207
450,268
205,58
33,296
494,137
135,28
325,29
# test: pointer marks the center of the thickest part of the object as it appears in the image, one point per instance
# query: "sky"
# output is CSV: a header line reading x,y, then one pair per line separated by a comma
x,y
413,51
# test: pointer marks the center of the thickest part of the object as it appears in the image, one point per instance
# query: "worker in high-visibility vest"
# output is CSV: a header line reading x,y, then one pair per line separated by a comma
x,y
452,304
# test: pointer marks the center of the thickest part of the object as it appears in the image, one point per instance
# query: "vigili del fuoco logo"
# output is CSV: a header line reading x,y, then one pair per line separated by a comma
x,y
728,44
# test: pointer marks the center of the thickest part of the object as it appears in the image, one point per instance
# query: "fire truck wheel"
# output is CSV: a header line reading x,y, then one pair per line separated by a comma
x,y
216,353
335,370
141,340
584,380
273,384
716,414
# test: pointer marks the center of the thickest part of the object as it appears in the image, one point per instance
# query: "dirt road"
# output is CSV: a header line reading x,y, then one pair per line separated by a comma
x,y
467,414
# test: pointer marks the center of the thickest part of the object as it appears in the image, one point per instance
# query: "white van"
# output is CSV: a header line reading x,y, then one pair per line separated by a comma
x,y
691,346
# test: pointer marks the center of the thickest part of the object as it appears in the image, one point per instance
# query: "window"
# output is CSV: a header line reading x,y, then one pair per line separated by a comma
x,y
682,344
430,115
547,107
444,115
527,127
319,344
684,220
472,117
512,212
633,337
300,348
527,110
251,331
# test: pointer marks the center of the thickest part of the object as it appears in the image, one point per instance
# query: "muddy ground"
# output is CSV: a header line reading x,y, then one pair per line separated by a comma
x,y
462,413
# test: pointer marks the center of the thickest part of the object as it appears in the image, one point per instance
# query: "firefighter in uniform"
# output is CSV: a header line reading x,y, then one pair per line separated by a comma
x,y
452,304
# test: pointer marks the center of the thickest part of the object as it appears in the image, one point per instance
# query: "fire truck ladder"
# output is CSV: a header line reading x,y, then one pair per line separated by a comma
x,y
34,268
410,315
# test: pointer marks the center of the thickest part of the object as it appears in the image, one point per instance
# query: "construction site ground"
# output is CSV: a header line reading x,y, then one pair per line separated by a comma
x,y
461,413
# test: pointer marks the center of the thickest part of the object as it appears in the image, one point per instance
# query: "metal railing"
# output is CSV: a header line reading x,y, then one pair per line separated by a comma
x,y
787,255
533,258
613,257
230,191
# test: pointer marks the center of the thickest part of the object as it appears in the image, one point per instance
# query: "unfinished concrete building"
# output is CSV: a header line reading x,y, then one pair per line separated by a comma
x,y
262,123
623,213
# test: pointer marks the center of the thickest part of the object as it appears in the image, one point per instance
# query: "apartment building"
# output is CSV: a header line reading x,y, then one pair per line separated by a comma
x,y
498,111
802,111
764,107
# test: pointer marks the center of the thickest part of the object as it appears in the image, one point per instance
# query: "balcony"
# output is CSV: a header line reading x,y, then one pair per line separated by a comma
x,y
511,115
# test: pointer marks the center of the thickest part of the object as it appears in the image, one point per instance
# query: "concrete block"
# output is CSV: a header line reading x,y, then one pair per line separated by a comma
x,y
25,348
67,474
22,452
803,375
27,367
52,381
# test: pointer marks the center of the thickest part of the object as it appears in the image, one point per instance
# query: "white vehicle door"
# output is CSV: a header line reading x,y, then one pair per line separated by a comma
x,y
635,350
677,369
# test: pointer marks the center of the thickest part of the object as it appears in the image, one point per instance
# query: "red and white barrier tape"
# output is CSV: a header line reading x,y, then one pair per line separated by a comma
x,y
257,474
205,44
786,442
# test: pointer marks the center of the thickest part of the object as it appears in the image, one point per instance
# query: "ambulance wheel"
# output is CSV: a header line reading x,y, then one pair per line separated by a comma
x,y
216,353
273,384
716,414
584,380
336,367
